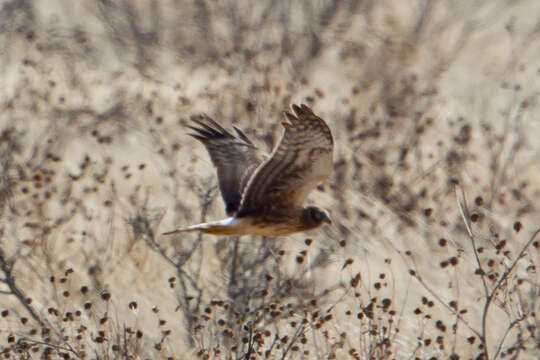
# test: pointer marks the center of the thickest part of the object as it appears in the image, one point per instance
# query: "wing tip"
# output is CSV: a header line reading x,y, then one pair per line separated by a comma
x,y
242,135
287,125
300,111
296,108
208,128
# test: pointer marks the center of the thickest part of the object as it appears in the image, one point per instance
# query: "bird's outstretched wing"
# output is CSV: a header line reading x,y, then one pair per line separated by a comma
x,y
302,159
235,158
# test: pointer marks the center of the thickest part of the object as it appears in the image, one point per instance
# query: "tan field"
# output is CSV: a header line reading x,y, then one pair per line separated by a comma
x,y
435,196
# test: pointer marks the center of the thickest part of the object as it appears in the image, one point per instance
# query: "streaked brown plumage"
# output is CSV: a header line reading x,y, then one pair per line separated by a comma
x,y
264,195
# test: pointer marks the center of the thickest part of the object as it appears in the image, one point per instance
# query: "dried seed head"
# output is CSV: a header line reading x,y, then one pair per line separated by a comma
x,y
347,262
355,280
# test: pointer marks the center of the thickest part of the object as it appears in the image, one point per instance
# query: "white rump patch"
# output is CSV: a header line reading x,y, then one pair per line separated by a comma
x,y
232,221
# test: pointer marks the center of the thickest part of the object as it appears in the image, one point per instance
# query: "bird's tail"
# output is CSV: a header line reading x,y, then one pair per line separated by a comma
x,y
222,227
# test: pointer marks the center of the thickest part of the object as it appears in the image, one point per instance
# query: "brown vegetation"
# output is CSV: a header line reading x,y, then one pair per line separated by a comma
x,y
434,249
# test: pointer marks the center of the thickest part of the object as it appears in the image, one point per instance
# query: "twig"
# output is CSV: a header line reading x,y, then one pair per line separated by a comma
x,y
464,211
510,327
489,295
57,347
299,331
250,342
452,310
514,263
7,268
499,283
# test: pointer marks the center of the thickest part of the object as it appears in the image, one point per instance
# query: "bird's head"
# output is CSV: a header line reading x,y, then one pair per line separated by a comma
x,y
315,217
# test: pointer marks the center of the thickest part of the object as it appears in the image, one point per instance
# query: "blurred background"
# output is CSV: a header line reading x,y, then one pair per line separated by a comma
x,y
432,253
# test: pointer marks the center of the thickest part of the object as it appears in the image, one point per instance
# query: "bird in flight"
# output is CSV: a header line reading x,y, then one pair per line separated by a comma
x,y
264,194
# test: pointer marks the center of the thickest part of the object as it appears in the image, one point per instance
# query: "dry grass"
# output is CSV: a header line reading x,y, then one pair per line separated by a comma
x,y
434,249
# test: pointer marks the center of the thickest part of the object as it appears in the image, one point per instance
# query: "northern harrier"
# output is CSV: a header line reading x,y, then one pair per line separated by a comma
x,y
264,195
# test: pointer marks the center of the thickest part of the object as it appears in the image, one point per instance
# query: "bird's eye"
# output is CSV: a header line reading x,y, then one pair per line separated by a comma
x,y
316,215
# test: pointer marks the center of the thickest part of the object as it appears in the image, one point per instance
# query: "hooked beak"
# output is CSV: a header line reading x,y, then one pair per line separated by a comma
x,y
327,220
